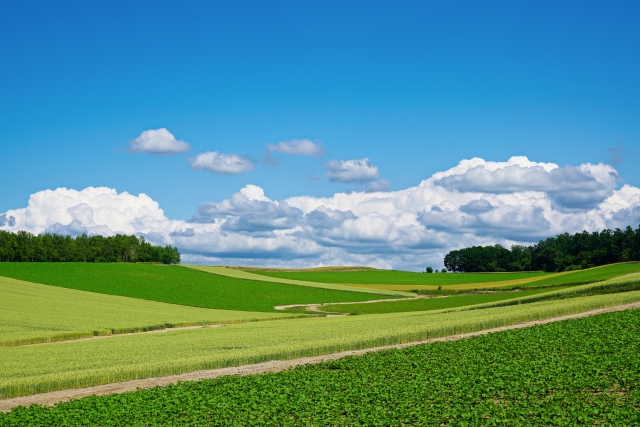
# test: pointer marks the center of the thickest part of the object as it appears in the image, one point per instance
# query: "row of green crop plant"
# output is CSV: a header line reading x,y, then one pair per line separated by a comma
x,y
561,253
449,300
50,247
41,368
395,277
617,285
576,372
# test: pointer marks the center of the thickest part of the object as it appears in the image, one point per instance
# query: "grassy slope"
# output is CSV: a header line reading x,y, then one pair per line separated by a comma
x,y
617,284
403,280
173,284
395,277
426,304
241,274
31,313
39,368
577,372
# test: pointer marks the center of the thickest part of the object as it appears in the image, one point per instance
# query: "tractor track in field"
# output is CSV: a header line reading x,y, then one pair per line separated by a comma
x,y
54,397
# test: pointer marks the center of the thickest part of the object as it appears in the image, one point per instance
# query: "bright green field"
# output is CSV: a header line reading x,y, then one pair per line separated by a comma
x,y
396,277
590,275
32,313
241,274
173,284
404,279
425,304
579,372
498,299
33,369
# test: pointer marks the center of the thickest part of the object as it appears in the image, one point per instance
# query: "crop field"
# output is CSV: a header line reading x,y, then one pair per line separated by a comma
x,y
396,277
241,274
497,299
426,304
408,281
174,285
576,372
34,369
33,313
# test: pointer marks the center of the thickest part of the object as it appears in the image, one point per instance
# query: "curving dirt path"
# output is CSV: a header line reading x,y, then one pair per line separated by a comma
x,y
315,307
54,397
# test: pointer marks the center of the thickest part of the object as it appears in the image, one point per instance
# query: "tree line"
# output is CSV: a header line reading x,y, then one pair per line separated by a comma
x,y
26,247
564,252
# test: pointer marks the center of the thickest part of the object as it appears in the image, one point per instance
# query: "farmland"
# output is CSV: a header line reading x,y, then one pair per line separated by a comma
x,y
485,300
43,302
240,274
174,285
39,368
426,304
32,313
395,277
577,372
408,281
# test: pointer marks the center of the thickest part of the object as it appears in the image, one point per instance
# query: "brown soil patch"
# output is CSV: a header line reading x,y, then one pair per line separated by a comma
x,y
54,397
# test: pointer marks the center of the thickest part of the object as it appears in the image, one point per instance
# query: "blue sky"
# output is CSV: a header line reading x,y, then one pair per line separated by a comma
x,y
415,87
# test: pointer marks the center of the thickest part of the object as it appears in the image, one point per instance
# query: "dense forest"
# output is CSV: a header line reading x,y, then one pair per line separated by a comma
x,y
561,253
26,247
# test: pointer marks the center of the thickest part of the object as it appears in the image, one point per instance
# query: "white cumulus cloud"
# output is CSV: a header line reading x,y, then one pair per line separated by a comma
x,y
302,147
409,228
230,164
356,170
157,141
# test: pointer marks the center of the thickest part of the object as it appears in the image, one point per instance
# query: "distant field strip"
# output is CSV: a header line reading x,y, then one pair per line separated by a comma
x,y
396,277
426,304
619,284
34,313
174,285
395,280
36,369
498,299
242,274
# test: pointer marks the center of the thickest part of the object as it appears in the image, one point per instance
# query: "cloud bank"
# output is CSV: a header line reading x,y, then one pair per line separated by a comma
x,y
474,203
158,141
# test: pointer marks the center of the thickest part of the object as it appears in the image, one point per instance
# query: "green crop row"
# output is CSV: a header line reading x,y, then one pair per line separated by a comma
x,y
406,278
498,299
576,372
620,284
426,304
34,313
396,277
35,369
174,285
241,274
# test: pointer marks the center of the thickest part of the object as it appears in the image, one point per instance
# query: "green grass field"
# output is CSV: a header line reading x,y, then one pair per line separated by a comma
x,y
498,299
395,277
580,372
33,369
35,313
426,304
407,281
174,285
590,275
241,274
